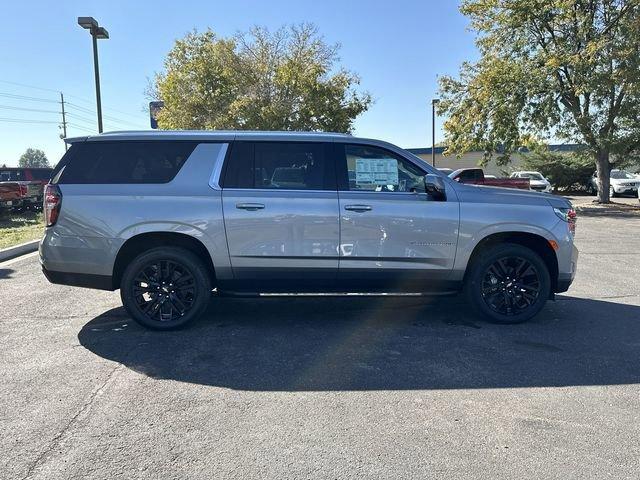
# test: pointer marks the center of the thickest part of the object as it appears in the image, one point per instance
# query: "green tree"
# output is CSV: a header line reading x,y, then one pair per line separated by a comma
x,y
566,69
33,158
282,80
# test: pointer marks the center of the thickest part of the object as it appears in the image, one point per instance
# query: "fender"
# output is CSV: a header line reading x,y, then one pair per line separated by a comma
x,y
212,237
467,243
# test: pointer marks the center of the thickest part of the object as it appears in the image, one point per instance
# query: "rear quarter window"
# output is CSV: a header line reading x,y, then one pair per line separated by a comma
x,y
123,162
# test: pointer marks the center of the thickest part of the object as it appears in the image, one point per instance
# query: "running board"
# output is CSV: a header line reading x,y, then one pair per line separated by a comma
x,y
228,293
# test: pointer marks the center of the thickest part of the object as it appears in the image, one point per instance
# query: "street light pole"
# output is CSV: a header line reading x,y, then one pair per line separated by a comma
x,y
434,102
97,75
97,33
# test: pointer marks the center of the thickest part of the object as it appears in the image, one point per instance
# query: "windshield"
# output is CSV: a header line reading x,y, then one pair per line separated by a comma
x,y
620,174
532,175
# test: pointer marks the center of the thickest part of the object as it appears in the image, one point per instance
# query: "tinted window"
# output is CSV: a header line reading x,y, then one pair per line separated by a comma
x,y
41,174
239,166
469,175
12,175
279,165
378,170
123,162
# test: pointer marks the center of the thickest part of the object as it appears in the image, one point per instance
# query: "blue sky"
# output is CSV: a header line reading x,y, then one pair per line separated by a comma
x,y
398,48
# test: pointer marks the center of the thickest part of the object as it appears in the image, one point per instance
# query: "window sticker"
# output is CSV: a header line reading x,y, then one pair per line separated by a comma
x,y
376,171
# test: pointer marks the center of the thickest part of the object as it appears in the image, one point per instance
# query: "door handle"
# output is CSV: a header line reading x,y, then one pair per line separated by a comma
x,y
250,206
358,208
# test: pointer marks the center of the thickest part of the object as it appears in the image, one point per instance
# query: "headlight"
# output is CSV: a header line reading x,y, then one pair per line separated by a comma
x,y
569,215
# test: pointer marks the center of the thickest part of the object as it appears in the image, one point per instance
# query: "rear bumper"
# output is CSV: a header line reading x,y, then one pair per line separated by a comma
x,y
86,280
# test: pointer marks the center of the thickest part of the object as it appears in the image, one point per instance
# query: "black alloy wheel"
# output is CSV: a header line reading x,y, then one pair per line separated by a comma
x,y
510,285
165,288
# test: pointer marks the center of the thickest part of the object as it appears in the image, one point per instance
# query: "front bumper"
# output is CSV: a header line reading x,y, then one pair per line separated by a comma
x,y
625,189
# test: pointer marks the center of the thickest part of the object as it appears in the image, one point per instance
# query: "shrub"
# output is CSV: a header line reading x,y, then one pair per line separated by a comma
x,y
565,171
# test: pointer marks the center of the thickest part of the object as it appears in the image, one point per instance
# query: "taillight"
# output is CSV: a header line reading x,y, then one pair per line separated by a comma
x,y
52,203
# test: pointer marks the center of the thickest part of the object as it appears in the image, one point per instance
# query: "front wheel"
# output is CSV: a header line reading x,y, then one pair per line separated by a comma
x,y
508,283
165,288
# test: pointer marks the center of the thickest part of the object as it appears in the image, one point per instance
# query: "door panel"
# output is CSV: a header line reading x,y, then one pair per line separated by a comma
x,y
399,240
282,235
393,236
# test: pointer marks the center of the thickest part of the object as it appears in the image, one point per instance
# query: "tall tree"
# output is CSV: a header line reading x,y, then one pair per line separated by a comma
x,y
34,158
282,80
567,69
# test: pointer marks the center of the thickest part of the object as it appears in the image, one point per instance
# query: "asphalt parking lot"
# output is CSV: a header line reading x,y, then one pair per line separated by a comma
x,y
327,387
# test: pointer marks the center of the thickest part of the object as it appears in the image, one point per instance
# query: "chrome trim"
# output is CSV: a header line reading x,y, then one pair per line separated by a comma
x,y
214,180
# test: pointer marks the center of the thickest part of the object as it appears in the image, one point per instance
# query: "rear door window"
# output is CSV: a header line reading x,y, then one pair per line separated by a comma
x,y
123,162
280,166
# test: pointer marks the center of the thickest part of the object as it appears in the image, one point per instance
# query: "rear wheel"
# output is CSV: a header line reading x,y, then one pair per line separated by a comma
x,y
508,284
165,288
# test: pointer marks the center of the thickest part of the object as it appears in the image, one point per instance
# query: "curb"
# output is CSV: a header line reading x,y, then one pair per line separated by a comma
x,y
16,251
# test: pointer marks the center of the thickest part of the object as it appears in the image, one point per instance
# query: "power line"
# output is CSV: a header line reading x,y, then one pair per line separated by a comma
x,y
11,107
106,117
29,86
79,117
78,127
25,97
24,120
90,102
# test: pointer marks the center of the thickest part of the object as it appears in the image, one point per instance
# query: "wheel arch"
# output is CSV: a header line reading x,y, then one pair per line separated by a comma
x,y
534,242
142,242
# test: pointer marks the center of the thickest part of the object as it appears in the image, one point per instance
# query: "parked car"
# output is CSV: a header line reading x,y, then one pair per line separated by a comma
x,y
33,179
537,181
621,183
167,216
11,195
476,176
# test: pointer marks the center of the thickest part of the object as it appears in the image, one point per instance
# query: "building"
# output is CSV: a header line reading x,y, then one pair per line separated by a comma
x,y
473,159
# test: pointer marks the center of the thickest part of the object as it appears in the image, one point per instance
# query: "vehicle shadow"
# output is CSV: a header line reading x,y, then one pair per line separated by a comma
x,y
6,273
373,343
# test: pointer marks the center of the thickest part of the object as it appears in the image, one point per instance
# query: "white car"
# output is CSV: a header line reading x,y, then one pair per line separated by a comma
x,y
620,183
536,179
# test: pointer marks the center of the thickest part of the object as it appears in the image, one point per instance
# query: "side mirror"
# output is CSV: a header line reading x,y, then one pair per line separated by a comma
x,y
435,187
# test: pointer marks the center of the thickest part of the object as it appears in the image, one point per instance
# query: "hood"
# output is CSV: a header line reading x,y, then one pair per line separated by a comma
x,y
538,182
512,196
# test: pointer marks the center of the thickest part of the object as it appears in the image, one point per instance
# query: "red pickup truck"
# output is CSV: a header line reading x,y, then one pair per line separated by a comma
x,y
12,195
23,187
475,176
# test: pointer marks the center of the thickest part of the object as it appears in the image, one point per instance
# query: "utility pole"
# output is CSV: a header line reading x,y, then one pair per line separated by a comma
x,y
64,121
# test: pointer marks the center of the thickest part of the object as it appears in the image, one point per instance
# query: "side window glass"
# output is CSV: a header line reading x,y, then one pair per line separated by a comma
x,y
374,169
124,162
290,166
238,171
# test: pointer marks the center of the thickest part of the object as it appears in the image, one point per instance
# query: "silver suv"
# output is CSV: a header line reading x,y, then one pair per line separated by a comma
x,y
167,217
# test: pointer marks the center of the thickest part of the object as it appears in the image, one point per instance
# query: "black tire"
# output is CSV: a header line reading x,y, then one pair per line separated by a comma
x,y
165,288
500,287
